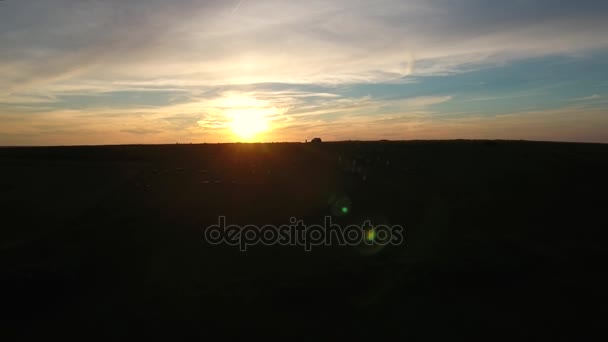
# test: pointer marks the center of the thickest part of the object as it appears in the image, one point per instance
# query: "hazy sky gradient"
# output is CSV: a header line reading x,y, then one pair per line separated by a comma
x,y
115,71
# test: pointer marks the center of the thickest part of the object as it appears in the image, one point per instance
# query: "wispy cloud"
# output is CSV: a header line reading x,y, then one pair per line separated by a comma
x,y
277,41
588,98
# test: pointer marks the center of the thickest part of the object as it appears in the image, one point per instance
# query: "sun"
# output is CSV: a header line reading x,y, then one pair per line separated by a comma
x,y
248,123
248,117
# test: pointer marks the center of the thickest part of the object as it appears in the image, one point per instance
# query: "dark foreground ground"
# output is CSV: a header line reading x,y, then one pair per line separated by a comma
x,y
503,239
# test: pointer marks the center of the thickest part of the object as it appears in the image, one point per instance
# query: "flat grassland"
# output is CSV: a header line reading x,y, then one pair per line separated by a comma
x,y
505,237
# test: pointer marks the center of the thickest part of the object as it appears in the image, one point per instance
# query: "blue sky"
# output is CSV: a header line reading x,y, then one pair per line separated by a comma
x,y
108,72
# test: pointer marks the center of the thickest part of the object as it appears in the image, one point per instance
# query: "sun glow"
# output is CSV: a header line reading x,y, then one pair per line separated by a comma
x,y
248,123
248,117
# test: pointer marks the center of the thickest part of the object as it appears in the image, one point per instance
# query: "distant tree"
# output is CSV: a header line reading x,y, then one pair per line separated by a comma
x,y
316,140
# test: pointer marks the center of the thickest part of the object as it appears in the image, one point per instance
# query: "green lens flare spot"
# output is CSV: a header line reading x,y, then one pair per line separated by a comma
x,y
344,210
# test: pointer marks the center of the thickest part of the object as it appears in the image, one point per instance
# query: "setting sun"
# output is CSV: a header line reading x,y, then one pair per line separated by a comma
x,y
248,117
247,123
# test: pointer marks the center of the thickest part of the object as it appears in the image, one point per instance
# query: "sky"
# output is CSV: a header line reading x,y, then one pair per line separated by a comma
x,y
88,72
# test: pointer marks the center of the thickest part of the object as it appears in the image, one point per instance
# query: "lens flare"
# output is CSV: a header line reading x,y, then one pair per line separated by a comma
x,y
371,235
340,205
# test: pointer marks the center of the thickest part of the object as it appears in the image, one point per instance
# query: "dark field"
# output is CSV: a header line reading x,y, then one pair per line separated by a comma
x,y
502,239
